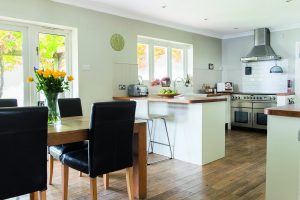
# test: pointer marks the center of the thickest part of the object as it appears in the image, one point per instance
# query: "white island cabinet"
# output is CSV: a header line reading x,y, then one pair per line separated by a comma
x,y
196,127
283,153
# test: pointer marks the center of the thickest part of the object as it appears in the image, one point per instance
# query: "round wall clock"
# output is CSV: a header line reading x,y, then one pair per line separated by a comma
x,y
117,42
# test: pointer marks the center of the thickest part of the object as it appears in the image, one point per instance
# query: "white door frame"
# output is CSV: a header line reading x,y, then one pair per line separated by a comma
x,y
68,45
25,57
29,55
297,71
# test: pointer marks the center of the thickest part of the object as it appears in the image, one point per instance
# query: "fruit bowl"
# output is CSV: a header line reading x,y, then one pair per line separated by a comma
x,y
167,95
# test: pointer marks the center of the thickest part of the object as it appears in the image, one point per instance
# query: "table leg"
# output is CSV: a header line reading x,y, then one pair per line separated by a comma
x,y
140,162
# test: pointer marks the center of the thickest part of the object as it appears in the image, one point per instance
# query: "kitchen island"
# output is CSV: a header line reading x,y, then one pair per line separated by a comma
x,y
283,153
196,126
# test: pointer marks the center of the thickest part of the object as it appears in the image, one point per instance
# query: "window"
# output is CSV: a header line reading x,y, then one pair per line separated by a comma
x,y
143,60
11,65
52,51
177,63
160,62
23,46
160,58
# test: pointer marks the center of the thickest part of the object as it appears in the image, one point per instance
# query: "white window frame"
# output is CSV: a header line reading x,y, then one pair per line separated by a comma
x,y
151,42
25,55
68,45
30,58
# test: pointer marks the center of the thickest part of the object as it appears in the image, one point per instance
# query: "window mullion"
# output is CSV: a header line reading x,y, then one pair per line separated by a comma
x,y
151,61
185,62
169,62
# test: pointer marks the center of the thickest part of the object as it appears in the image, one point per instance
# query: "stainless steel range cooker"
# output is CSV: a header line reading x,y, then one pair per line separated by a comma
x,y
247,110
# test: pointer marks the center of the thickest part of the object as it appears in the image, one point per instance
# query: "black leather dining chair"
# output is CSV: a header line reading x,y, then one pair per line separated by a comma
x,y
68,107
110,145
23,147
8,103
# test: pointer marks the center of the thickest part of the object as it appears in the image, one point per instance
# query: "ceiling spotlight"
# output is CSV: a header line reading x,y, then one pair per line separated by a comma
x,y
236,28
288,1
164,6
205,19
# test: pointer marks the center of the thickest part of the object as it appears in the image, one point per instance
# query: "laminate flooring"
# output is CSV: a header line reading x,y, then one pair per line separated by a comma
x,y
240,175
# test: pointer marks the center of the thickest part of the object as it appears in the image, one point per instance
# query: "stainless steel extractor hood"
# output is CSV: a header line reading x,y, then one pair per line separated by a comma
x,y
262,51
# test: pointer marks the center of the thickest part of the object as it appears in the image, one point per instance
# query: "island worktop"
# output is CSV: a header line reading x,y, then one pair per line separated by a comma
x,y
286,111
187,100
196,125
283,153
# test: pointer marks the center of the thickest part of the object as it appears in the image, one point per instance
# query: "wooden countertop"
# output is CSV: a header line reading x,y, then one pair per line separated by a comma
x,y
285,94
292,110
219,94
188,100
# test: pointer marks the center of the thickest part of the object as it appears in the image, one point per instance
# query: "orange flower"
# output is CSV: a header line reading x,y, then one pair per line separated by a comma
x,y
55,74
29,79
40,72
62,73
47,73
70,78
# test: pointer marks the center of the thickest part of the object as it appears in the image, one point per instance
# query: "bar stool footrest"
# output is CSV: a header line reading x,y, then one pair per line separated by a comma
x,y
160,143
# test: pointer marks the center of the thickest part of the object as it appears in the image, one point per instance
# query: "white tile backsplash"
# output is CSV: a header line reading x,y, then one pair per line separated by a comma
x,y
262,81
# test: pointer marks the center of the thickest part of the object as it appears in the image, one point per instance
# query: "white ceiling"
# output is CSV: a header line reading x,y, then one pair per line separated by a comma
x,y
222,15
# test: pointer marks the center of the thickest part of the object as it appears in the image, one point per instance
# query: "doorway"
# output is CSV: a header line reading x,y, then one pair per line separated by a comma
x,y
25,46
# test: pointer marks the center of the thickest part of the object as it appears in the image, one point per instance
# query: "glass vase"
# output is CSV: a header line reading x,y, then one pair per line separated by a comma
x,y
53,112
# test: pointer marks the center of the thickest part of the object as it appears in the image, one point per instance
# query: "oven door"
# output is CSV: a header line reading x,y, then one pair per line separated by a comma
x,y
241,117
259,119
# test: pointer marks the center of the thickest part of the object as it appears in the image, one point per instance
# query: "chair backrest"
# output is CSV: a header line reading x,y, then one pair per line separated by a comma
x,y
23,147
8,103
70,107
111,135
142,109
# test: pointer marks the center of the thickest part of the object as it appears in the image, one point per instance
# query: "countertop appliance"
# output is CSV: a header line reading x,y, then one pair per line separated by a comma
x,y
225,87
136,90
262,49
247,110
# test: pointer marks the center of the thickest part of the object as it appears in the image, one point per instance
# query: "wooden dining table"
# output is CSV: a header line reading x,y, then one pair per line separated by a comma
x,y
75,129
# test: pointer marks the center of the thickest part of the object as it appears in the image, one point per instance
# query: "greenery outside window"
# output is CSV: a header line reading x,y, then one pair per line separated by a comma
x,y
25,46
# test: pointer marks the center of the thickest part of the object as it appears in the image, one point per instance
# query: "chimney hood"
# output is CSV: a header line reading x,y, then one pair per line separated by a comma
x,y
262,51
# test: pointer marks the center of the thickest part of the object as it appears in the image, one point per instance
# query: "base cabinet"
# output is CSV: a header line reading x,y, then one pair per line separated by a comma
x,y
283,158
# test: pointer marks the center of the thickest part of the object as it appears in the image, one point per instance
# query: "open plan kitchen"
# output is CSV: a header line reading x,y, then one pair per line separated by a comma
x,y
160,100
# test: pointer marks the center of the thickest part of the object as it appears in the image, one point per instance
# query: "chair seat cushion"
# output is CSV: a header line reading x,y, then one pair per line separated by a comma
x,y
57,150
77,160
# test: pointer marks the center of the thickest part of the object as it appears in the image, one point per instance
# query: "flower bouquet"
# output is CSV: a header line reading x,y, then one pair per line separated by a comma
x,y
51,82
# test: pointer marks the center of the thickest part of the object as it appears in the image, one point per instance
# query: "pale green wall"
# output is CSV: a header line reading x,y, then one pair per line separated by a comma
x,y
94,31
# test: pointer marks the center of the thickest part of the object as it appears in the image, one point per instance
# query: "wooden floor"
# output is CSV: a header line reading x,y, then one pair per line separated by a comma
x,y
238,176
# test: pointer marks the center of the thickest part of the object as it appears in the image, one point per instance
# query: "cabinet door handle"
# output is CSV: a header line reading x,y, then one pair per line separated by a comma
x,y
299,135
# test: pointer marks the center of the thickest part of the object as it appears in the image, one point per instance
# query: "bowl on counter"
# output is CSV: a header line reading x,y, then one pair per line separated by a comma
x,y
168,95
